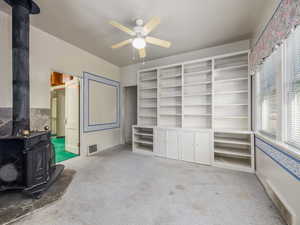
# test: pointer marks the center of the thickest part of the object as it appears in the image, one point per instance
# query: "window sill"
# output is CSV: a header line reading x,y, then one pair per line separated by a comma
x,y
282,146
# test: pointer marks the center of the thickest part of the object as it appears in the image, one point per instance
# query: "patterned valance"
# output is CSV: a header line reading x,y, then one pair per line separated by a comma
x,y
286,17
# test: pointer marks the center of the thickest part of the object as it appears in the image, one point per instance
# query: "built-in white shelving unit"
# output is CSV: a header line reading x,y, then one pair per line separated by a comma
x,y
212,94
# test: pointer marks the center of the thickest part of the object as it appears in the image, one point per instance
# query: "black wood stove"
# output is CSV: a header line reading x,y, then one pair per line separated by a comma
x,y
27,158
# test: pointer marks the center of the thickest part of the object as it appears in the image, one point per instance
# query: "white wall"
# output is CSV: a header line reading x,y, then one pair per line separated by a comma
x,y
282,183
128,73
47,54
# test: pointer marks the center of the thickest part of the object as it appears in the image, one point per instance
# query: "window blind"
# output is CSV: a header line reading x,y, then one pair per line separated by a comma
x,y
268,93
293,88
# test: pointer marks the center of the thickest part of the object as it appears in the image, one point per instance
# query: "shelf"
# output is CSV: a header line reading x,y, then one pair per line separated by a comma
x,y
195,105
149,79
233,163
148,107
143,134
224,105
163,77
175,105
231,67
195,65
170,126
171,86
147,125
231,80
143,142
171,96
147,116
233,152
233,131
231,117
197,73
198,94
197,83
232,141
198,114
144,126
231,92
169,114
149,88
148,97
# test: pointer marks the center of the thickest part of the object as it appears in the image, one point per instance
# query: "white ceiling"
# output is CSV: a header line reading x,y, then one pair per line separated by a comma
x,y
188,24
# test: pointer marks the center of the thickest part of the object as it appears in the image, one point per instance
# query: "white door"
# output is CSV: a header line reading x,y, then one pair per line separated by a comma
x,y
203,147
172,144
187,146
161,144
72,116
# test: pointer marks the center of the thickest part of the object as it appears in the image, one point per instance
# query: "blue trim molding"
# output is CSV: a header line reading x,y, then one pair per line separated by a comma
x,y
283,159
87,125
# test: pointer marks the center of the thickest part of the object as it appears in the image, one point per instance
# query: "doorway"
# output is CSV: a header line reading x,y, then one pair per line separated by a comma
x,y
65,116
130,113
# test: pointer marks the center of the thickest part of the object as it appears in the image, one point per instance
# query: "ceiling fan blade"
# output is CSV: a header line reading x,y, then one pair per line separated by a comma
x,y
122,43
159,42
142,52
150,26
122,28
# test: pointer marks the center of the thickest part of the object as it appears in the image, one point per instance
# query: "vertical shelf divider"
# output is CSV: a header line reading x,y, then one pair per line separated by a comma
x,y
158,98
182,96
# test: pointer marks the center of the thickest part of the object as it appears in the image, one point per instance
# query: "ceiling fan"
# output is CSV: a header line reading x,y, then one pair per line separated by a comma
x,y
140,35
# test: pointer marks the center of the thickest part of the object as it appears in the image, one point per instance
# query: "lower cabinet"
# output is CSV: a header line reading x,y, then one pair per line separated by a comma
x,y
188,147
173,151
184,144
203,147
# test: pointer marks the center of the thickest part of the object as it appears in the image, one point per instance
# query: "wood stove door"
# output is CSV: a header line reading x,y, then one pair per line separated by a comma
x,y
38,164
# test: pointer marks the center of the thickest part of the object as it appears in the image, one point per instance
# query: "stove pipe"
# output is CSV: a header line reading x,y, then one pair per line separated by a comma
x,y
21,9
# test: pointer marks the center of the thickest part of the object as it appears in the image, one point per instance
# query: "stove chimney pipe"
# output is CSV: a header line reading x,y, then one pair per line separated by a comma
x,y
21,9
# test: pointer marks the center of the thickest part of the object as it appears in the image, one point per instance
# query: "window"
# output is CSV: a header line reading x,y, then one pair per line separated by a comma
x,y
293,89
268,111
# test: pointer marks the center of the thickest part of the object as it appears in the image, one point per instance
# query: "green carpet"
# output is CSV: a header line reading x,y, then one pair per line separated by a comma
x,y
60,153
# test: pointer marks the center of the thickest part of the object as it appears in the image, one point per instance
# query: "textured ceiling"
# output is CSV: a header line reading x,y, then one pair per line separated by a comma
x,y
188,24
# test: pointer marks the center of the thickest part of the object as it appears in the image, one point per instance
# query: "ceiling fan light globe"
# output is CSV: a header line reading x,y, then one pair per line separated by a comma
x,y
139,43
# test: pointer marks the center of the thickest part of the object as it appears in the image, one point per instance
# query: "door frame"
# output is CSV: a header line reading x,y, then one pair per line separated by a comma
x,y
80,125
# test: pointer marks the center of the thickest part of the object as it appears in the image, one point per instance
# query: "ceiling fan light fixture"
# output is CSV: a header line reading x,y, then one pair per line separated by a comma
x,y
139,43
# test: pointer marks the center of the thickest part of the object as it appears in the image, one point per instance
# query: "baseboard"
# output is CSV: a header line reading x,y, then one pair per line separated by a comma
x,y
113,148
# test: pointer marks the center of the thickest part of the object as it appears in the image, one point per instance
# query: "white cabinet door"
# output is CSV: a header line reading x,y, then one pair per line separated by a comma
x,y
187,146
203,147
160,148
172,144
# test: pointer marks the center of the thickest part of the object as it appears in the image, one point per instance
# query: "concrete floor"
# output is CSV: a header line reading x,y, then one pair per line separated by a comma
x,y
122,188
